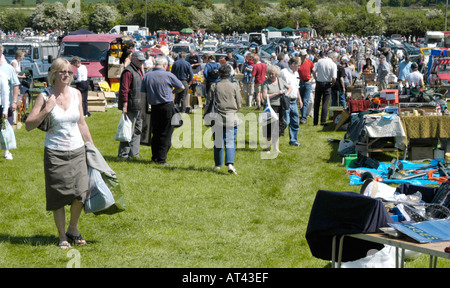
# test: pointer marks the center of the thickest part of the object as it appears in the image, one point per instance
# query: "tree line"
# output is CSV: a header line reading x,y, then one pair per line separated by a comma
x,y
341,16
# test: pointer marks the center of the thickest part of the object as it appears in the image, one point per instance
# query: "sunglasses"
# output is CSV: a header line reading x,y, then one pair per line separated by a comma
x,y
63,72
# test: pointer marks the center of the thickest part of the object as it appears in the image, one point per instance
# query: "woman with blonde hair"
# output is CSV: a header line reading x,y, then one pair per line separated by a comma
x,y
272,90
66,173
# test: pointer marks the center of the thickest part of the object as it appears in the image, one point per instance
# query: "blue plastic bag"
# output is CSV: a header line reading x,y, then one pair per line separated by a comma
x,y
7,137
99,196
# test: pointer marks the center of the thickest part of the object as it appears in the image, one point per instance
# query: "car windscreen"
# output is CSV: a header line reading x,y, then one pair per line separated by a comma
x,y
178,49
10,50
86,51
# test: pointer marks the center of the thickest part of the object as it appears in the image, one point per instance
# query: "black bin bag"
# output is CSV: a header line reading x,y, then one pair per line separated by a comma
x,y
342,213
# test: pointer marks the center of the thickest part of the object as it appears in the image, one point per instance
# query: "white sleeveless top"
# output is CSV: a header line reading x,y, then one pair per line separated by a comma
x,y
64,134
17,68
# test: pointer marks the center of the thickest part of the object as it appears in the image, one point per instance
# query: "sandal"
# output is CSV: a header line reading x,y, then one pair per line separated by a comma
x,y
77,240
64,245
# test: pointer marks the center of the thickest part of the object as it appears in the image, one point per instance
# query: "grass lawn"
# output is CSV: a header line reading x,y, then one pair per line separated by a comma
x,y
185,215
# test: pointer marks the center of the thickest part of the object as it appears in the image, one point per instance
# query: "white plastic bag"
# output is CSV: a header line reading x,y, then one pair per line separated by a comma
x,y
125,129
385,258
268,115
7,137
99,196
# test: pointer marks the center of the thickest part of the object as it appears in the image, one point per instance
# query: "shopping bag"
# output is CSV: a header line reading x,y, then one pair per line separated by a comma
x,y
7,137
268,115
99,196
125,129
119,198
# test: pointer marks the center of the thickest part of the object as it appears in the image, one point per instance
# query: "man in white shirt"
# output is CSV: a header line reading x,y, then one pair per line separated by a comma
x,y
415,76
14,89
4,104
82,84
325,73
291,117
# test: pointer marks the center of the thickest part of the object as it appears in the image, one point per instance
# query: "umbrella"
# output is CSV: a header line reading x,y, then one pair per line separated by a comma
x,y
270,29
81,32
287,29
187,31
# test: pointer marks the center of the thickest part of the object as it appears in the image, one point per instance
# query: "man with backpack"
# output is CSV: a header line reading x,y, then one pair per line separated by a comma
x,y
211,73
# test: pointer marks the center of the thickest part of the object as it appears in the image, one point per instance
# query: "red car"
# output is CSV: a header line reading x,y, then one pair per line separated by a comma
x,y
440,71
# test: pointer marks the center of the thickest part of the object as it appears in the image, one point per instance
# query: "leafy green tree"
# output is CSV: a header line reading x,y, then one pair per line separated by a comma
x,y
55,16
162,15
14,21
103,17
199,4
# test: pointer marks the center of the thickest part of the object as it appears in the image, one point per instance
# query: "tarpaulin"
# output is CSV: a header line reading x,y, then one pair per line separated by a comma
x,y
383,170
343,213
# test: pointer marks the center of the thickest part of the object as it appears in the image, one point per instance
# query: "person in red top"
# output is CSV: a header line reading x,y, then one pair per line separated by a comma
x,y
259,74
129,101
305,71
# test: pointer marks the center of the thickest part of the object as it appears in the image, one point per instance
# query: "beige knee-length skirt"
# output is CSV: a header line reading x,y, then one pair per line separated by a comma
x,y
66,177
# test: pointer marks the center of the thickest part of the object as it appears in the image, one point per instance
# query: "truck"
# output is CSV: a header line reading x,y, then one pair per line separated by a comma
x,y
97,52
434,39
446,39
274,34
127,29
38,57
258,38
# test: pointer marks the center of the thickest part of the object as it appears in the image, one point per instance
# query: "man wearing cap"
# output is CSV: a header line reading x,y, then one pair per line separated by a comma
x,y
382,73
415,76
305,71
129,101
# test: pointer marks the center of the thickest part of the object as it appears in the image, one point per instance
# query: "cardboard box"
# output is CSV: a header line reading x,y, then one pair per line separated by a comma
x,y
369,76
357,93
97,107
420,153
96,96
113,60
115,70
110,96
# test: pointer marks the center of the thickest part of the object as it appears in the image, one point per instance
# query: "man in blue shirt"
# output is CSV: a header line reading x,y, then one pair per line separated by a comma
x,y
158,85
404,68
211,73
183,71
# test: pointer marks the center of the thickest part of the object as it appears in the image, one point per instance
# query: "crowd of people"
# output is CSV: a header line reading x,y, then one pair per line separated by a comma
x,y
298,81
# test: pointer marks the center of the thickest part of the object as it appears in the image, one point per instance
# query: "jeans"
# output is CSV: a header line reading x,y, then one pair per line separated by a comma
x,y
338,96
224,137
291,121
305,93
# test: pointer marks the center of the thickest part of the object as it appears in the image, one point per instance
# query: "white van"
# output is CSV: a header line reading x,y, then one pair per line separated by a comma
x,y
434,39
258,38
120,29
274,34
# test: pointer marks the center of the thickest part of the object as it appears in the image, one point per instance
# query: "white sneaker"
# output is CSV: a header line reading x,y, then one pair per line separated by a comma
x,y
231,169
8,156
216,167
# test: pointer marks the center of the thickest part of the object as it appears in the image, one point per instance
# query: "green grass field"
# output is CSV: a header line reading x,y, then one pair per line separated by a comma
x,y
185,215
